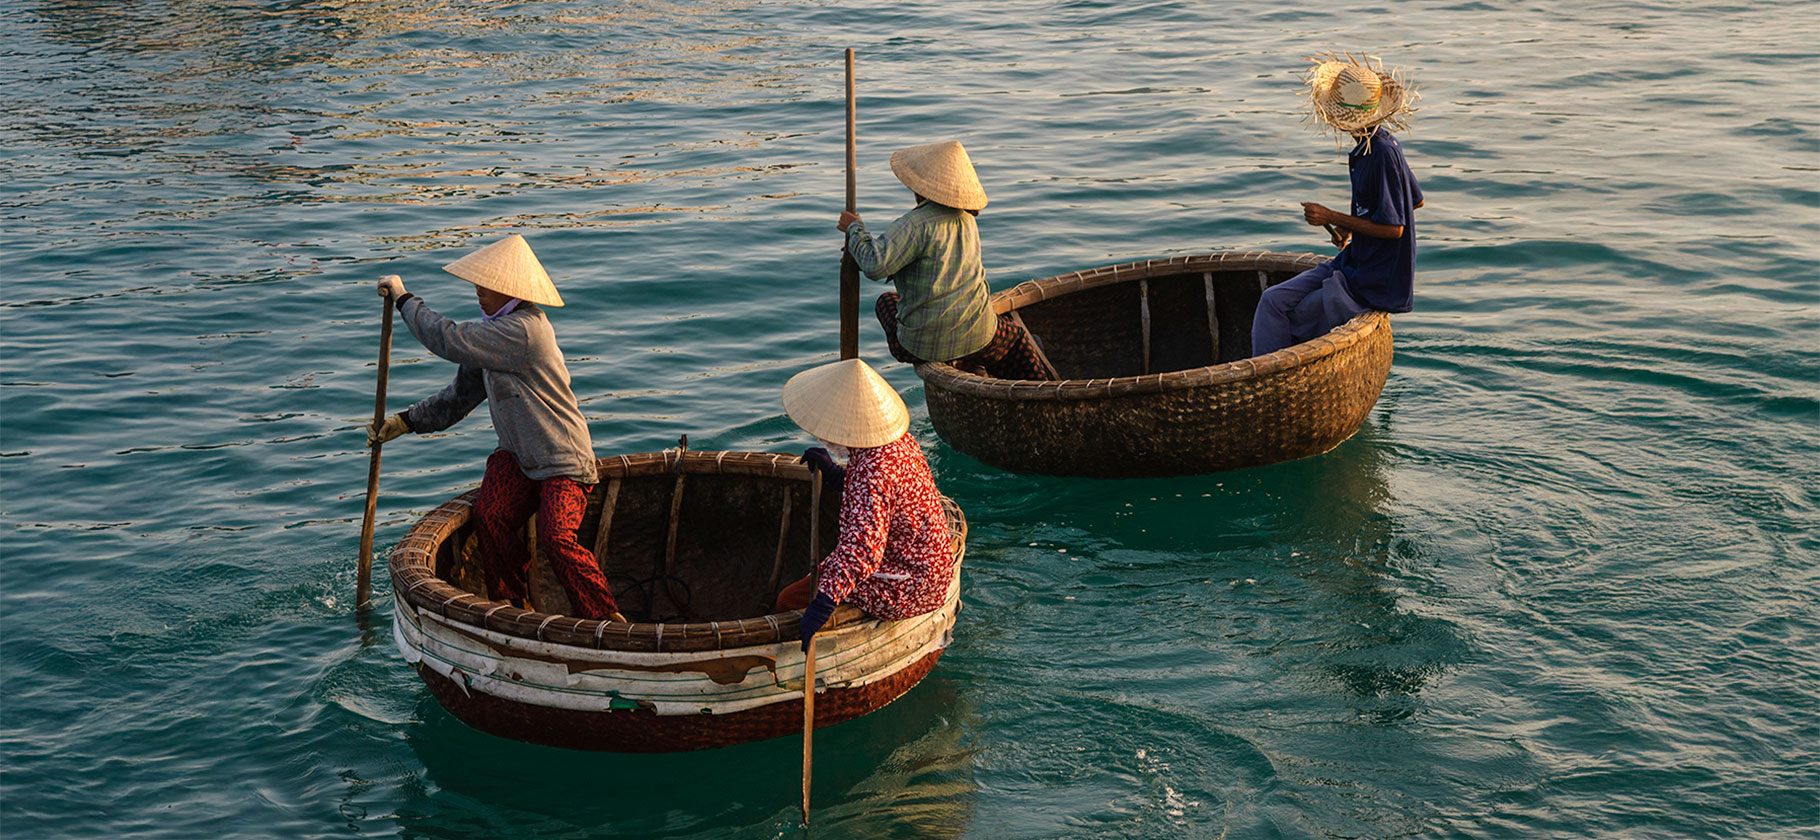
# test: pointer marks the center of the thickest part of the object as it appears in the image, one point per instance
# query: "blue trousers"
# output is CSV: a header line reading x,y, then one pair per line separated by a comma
x,y
1305,306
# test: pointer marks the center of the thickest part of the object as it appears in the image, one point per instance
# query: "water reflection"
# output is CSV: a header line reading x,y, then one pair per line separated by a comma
x,y
902,771
1310,564
1349,549
353,102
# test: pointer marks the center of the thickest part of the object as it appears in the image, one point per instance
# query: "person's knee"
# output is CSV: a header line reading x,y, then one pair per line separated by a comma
x,y
1277,299
555,537
795,596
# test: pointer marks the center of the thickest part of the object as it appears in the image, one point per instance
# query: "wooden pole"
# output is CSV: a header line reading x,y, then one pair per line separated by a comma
x,y
364,586
849,270
815,552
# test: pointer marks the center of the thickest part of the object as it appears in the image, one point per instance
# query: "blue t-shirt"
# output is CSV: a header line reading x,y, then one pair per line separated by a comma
x,y
1381,273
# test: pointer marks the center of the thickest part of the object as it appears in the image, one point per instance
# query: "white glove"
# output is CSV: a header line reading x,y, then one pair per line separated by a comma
x,y
391,286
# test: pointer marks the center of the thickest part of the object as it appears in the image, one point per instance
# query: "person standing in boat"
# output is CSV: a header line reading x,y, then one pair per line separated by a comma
x,y
545,460
932,255
1375,269
894,558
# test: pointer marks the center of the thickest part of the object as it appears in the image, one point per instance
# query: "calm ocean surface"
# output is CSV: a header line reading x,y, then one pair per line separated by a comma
x,y
1561,585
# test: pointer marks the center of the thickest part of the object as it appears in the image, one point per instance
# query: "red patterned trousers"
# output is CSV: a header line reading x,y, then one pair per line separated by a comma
x,y
1010,355
506,501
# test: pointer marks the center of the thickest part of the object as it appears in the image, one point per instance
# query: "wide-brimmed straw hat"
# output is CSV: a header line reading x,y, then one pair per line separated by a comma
x,y
509,268
848,403
1353,95
942,173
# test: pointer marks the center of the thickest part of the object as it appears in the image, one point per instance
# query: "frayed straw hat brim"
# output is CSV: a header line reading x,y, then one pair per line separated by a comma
x,y
942,173
1397,95
509,268
848,403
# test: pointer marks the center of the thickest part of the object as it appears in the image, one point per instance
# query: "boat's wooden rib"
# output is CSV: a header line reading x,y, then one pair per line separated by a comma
x,y
783,543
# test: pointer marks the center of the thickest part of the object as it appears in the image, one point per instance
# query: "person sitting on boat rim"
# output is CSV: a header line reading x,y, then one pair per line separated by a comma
x,y
932,255
1375,269
894,558
545,461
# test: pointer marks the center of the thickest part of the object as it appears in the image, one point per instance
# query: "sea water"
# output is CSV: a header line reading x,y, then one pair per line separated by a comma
x,y
1561,585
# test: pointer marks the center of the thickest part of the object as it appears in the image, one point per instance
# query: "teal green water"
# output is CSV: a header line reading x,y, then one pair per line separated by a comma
x,y
1561,585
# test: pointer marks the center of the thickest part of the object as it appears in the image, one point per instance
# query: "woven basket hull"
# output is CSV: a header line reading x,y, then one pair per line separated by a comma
x,y
640,731
647,686
1191,415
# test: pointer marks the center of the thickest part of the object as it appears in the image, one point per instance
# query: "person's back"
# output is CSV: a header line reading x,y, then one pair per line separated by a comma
x,y
915,563
942,310
1380,273
525,382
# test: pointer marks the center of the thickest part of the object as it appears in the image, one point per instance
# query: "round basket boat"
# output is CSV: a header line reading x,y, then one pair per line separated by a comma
x,y
1154,375
695,546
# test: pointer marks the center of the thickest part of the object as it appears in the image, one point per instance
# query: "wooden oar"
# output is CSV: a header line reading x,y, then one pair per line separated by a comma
x,y
815,557
363,588
849,349
849,270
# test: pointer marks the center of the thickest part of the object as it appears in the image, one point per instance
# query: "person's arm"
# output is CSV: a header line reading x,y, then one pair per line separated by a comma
x,y
496,345
865,522
834,476
882,256
1385,188
1319,215
445,408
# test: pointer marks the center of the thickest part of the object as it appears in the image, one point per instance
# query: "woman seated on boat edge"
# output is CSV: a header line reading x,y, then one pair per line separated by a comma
x,y
931,254
894,558
545,461
1375,269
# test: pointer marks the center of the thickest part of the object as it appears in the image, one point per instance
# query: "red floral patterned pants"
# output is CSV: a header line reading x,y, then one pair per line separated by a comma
x,y
1009,356
506,501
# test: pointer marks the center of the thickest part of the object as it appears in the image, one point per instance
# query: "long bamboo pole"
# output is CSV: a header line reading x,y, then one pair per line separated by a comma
x,y
849,270
815,557
363,587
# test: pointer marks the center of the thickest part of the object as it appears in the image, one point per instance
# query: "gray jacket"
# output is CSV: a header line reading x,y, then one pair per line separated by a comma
x,y
513,363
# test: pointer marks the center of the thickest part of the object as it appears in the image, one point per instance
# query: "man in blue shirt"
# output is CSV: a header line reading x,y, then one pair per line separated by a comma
x,y
1375,269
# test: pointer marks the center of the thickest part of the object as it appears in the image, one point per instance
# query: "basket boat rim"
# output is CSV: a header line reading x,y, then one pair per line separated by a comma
x,y
1360,329
412,565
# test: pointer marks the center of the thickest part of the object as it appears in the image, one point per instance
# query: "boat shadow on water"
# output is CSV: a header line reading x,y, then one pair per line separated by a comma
x,y
905,770
1309,564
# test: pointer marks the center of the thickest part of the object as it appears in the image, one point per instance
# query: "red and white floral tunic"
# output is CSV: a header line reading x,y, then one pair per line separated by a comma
x,y
894,559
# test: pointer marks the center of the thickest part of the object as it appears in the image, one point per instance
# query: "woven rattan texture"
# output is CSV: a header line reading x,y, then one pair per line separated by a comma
x,y
1115,421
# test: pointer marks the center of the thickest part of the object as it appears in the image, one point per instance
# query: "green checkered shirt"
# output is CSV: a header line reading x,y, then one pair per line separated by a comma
x,y
932,255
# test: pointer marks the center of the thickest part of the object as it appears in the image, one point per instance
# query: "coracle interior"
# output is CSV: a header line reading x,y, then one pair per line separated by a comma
x,y
1098,333
726,546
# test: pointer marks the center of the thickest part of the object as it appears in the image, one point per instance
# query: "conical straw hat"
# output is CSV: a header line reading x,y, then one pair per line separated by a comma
x,y
509,268
942,173
1355,95
848,403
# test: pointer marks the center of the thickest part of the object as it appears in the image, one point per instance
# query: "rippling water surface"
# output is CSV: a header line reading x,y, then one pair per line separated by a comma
x,y
1562,584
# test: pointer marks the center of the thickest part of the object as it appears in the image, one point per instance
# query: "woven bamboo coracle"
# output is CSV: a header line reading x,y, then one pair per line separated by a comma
x,y
1156,376
696,546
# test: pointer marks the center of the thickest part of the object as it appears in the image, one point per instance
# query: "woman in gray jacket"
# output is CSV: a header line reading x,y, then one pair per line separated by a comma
x,y
545,461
